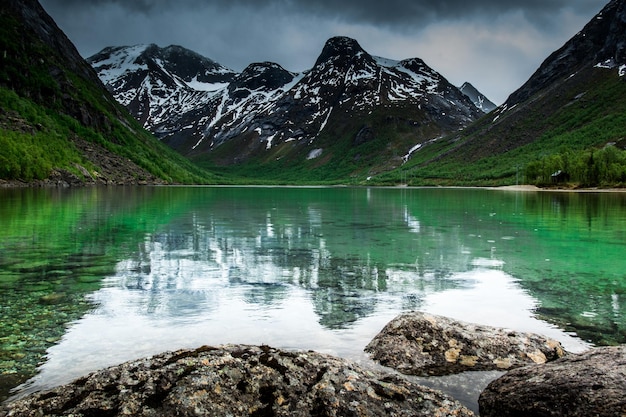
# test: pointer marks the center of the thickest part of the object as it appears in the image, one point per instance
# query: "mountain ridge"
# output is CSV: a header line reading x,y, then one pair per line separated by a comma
x,y
266,107
601,41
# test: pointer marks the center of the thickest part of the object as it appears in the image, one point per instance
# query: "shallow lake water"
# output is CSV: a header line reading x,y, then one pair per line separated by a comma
x,y
97,276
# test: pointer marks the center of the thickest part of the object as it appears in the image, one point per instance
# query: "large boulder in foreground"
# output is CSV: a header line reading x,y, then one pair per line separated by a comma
x,y
236,380
423,344
590,384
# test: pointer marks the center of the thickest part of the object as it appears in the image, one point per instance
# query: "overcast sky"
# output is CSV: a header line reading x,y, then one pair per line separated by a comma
x,y
494,44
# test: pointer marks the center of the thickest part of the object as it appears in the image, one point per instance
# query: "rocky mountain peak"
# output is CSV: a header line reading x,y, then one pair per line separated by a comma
x,y
262,75
151,50
173,65
415,64
190,65
477,97
340,48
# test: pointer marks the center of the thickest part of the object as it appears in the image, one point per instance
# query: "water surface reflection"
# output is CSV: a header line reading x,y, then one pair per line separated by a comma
x,y
321,269
327,268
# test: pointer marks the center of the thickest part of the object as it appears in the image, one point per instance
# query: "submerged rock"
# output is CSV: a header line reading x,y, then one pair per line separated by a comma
x,y
423,344
236,380
589,384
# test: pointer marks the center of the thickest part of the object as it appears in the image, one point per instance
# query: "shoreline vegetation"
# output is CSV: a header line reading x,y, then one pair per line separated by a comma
x,y
52,183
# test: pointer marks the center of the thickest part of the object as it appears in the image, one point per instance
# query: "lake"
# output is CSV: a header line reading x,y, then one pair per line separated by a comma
x,y
93,277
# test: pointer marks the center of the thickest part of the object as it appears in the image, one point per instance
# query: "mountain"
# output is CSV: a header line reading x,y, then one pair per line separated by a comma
x,y
601,43
58,123
154,82
571,108
352,111
478,98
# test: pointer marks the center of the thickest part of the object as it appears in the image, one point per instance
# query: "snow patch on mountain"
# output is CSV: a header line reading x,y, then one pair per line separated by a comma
x,y
477,97
194,84
385,62
406,157
315,153
195,103
612,64
121,62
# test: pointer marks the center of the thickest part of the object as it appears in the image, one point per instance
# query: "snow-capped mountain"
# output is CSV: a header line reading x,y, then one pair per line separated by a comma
x,y
155,82
266,107
478,98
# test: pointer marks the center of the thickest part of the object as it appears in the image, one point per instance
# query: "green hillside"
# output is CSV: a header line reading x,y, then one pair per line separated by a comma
x,y
578,126
58,121
358,147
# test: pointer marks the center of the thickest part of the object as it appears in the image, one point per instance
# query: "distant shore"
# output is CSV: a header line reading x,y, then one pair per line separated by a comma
x,y
568,190
61,184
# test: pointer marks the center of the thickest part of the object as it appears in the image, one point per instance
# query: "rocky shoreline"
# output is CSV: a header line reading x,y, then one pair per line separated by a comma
x,y
592,383
239,380
426,345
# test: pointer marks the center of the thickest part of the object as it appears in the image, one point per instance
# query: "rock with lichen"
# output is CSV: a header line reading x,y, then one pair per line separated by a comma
x,y
423,344
237,380
592,383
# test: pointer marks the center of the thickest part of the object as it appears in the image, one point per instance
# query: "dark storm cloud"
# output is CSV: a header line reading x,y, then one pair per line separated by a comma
x,y
494,44
370,11
404,12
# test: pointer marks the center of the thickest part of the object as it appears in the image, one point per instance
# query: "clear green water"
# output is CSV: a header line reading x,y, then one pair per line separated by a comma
x,y
93,277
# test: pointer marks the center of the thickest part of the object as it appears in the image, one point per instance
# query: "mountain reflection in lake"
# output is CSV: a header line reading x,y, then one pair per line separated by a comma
x,y
327,268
